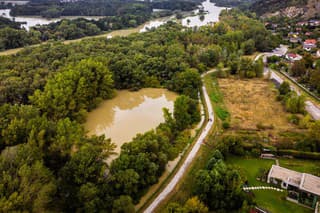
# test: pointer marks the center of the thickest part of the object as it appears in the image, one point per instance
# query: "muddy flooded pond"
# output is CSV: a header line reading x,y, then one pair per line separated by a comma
x,y
129,113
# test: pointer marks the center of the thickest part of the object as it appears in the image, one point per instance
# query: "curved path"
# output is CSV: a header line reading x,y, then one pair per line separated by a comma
x,y
192,154
261,188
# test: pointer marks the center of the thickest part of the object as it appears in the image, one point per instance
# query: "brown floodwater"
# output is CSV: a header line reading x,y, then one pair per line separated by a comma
x,y
129,113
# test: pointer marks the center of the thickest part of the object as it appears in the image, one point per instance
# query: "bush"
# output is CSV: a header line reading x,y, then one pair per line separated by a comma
x,y
222,113
284,88
261,126
226,125
294,119
215,97
295,104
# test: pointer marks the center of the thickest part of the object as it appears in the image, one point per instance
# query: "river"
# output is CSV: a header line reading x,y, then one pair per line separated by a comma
x,y
129,113
31,21
211,15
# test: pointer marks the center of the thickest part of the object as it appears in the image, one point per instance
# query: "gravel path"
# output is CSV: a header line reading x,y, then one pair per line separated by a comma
x,y
166,191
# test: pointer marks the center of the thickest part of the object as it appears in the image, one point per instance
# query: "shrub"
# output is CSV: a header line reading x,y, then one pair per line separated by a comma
x,y
294,119
226,125
222,113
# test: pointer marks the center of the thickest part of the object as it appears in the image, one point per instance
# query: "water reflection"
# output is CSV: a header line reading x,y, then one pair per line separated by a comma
x,y
31,21
211,15
129,113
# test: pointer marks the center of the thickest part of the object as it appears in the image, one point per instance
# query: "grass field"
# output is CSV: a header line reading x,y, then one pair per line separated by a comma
x,y
254,164
270,200
253,102
216,97
244,102
306,166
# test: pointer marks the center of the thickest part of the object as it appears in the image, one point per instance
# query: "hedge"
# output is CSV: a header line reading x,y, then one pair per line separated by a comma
x,y
299,154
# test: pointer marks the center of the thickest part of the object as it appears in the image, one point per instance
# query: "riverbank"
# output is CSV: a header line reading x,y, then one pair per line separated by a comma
x,y
154,190
110,34
209,124
117,118
190,19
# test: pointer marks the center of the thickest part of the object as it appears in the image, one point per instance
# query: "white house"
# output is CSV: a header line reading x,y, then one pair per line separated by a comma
x,y
302,187
309,44
293,57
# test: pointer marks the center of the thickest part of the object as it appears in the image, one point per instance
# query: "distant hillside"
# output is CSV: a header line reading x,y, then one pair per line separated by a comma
x,y
233,3
290,8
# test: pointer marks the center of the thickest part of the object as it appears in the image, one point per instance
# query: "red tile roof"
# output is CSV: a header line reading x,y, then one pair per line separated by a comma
x,y
310,41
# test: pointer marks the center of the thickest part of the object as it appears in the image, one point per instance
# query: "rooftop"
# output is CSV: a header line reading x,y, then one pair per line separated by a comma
x,y
303,181
310,183
310,41
287,175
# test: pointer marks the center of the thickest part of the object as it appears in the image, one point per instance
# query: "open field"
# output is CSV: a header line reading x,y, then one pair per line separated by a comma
x,y
253,106
247,98
270,200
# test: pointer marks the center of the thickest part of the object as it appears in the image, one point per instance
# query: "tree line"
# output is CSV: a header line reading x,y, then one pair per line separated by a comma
x,y
12,36
53,9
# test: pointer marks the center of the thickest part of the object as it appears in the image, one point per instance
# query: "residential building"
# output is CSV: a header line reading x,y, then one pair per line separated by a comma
x,y
303,23
303,188
308,33
294,37
314,23
309,44
293,57
295,40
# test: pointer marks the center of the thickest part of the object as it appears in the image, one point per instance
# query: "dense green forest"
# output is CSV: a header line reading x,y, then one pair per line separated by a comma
x,y
48,162
4,22
217,187
11,36
119,15
54,8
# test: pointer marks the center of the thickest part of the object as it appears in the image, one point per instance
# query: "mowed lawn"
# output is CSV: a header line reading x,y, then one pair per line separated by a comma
x,y
306,166
270,200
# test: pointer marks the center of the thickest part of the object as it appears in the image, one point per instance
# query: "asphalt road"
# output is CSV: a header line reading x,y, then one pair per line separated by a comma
x,y
310,107
192,154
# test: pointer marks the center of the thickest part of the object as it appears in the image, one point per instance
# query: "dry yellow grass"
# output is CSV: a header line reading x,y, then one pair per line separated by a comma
x,y
253,102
